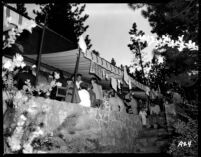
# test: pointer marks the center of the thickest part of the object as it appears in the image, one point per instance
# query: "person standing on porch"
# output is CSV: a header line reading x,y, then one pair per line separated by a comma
x,y
70,87
143,115
97,89
116,103
92,96
78,80
63,82
84,95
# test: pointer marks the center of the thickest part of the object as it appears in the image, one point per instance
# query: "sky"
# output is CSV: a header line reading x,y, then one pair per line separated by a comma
x,y
109,24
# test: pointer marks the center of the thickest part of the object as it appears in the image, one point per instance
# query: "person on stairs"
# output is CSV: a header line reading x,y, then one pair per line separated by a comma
x,y
97,89
143,115
92,95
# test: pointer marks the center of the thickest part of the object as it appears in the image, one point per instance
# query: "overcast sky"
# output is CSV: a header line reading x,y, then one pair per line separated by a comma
x,y
109,24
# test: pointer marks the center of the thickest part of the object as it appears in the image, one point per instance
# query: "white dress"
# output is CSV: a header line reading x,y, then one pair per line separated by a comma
x,y
78,84
84,97
143,115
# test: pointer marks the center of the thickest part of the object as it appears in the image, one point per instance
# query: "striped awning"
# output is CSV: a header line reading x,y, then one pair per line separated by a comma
x,y
66,61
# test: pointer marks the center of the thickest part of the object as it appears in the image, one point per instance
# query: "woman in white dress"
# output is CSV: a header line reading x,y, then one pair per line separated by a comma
x,y
143,115
84,95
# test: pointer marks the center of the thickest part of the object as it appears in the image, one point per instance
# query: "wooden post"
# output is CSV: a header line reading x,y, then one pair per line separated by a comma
x,y
75,74
40,51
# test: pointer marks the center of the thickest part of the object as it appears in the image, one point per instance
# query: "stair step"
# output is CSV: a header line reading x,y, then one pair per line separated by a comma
x,y
142,142
152,139
153,132
149,149
161,143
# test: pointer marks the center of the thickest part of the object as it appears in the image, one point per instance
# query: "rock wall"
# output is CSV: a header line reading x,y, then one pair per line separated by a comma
x,y
88,129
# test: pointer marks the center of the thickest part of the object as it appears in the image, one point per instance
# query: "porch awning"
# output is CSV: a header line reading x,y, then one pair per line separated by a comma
x,y
66,61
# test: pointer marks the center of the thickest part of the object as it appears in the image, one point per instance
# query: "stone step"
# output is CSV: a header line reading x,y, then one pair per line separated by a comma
x,y
142,142
152,139
150,145
164,137
161,143
153,134
153,131
151,142
149,149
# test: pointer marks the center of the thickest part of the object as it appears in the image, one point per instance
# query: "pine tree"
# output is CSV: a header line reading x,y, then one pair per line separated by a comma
x,y
177,17
136,47
21,9
64,18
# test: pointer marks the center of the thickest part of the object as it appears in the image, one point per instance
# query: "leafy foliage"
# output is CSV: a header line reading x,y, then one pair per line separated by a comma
x,y
20,128
185,132
158,74
173,18
138,75
21,9
9,37
180,67
177,17
64,18
135,45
